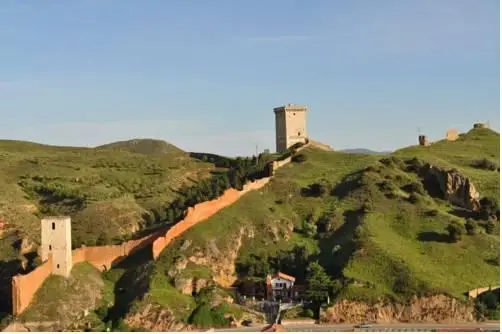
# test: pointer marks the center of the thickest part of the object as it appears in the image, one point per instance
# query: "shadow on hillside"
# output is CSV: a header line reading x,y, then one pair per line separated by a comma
x,y
350,183
433,236
133,284
8,269
463,213
335,261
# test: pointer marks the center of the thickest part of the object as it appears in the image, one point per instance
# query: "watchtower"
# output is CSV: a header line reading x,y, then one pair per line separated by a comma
x,y
290,126
56,243
423,141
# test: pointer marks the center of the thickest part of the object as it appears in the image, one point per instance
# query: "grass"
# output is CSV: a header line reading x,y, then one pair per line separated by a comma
x,y
402,250
107,190
64,299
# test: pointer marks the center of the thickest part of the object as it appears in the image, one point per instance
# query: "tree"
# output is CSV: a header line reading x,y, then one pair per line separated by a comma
x,y
471,226
318,284
455,231
490,226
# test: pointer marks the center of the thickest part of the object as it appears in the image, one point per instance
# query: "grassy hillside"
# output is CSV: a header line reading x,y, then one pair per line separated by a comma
x,y
108,191
366,218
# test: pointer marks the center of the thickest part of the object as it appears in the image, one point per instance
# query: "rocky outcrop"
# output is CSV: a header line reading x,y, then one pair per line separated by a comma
x,y
452,186
154,317
440,309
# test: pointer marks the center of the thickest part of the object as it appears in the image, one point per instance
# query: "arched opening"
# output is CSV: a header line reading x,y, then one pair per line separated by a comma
x,y
53,226
104,267
50,247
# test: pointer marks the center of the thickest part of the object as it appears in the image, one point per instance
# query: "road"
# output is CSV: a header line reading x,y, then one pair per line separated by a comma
x,y
488,326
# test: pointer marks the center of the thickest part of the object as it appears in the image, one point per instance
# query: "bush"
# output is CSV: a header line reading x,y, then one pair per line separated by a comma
x,y
205,317
455,231
485,164
490,226
471,226
299,158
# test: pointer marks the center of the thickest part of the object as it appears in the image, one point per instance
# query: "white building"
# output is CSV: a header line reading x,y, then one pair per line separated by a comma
x,y
280,286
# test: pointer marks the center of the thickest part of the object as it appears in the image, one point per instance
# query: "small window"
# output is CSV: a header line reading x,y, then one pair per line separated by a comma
x,y
57,266
294,114
299,133
53,226
50,247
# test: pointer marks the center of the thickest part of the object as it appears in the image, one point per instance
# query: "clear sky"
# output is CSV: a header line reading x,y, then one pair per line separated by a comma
x,y
205,75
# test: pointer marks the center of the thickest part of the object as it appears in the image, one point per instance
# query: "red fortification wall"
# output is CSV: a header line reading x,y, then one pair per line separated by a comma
x,y
24,287
203,211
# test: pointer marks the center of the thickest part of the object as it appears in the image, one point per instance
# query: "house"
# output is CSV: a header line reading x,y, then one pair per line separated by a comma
x,y
281,287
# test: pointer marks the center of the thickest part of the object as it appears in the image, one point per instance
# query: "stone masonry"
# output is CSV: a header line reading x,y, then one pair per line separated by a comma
x,y
290,126
56,243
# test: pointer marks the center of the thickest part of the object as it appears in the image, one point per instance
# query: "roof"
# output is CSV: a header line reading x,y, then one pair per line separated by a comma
x,y
286,277
274,328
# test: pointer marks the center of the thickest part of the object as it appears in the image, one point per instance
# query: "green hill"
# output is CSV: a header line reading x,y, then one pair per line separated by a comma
x,y
111,192
377,224
371,221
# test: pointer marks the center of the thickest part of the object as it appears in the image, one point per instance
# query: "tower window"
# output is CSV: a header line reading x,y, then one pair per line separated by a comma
x,y
50,247
299,133
53,226
57,266
294,114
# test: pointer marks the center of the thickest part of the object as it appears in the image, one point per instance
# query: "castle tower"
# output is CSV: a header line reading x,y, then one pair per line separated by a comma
x,y
290,126
452,134
423,141
56,242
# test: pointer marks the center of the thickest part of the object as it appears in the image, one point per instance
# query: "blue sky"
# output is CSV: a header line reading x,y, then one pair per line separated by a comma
x,y
205,75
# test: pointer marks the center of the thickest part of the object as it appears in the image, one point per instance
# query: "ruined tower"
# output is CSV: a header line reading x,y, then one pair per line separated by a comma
x,y
290,126
423,141
56,242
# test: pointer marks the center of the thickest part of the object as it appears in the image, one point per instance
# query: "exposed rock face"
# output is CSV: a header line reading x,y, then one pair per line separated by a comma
x,y
154,318
439,308
453,186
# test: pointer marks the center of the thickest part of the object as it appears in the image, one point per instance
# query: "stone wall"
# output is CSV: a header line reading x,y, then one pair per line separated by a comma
x,y
203,211
24,287
473,294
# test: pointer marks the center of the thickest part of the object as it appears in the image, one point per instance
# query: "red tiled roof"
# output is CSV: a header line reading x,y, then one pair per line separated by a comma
x,y
286,277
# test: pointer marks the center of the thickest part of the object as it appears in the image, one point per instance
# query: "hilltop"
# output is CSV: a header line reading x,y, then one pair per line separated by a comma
x,y
377,224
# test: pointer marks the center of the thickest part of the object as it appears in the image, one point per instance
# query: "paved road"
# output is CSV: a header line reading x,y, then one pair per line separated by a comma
x,y
375,328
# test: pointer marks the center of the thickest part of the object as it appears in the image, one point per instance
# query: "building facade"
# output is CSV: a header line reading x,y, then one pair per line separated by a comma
x,y
290,126
281,287
56,242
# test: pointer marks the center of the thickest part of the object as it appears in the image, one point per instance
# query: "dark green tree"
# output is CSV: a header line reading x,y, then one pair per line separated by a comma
x,y
455,231
318,284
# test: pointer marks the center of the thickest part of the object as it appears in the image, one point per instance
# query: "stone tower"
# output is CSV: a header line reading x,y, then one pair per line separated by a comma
x,y
56,242
290,126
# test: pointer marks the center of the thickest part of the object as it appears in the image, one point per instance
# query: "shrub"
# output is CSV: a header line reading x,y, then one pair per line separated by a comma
x,y
299,158
471,226
490,226
315,190
485,164
489,208
455,231
414,198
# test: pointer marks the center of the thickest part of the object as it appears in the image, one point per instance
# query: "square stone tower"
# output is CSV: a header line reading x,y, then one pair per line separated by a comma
x,y
56,241
290,126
